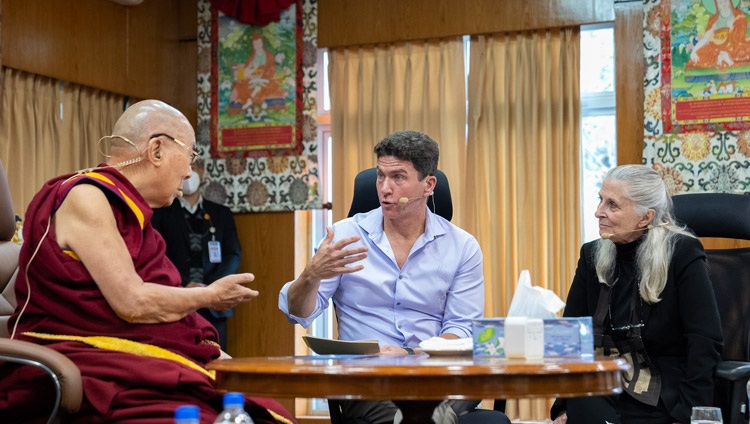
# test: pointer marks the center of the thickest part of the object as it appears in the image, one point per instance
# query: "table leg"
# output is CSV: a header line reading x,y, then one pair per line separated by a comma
x,y
417,411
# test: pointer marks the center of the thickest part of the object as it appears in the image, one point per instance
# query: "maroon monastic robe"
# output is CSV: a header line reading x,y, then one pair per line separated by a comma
x,y
119,385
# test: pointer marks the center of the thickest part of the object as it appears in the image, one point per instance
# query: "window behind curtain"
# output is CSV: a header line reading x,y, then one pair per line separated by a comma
x,y
598,144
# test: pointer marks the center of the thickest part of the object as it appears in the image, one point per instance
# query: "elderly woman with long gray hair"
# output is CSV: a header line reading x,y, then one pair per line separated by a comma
x,y
645,282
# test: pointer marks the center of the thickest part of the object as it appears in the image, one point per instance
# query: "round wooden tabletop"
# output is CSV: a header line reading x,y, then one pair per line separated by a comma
x,y
418,377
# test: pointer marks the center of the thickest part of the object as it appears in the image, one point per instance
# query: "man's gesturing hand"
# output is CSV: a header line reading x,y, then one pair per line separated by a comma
x,y
332,259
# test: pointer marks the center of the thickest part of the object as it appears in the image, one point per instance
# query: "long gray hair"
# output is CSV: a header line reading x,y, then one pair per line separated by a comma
x,y
645,188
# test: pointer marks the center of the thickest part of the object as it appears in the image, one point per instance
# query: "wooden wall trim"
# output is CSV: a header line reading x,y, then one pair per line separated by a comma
x,y
350,23
630,70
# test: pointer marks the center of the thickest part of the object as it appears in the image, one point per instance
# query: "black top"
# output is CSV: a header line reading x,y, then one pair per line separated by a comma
x,y
626,306
681,333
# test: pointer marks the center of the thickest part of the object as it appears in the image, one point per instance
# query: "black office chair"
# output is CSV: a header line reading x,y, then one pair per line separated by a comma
x,y
366,199
726,215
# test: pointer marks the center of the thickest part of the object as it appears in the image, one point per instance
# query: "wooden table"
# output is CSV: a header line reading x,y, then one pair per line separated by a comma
x,y
421,380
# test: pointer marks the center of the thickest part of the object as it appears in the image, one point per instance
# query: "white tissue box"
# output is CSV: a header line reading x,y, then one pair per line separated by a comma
x,y
562,337
524,338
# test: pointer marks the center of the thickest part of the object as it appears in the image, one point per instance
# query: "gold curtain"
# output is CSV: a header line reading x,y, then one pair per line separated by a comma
x,y
523,165
377,90
29,112
48,128
88,114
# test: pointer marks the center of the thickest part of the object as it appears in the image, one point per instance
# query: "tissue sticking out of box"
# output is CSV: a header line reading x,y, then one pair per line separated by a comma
x,y
533,301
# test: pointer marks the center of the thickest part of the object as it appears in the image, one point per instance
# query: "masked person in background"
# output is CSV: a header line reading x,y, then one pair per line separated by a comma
x,y
201,241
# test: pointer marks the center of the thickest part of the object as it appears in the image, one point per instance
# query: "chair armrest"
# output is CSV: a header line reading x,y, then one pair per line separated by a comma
x,y
60,368
733,370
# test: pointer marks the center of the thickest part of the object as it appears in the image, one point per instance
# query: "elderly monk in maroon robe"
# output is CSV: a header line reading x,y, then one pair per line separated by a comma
x,y
95,284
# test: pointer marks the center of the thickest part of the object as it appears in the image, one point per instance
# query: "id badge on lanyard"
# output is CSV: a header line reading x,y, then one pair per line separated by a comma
x,y
214,252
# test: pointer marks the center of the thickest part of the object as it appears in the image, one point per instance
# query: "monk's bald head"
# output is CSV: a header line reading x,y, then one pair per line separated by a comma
x,y
152,144
147,117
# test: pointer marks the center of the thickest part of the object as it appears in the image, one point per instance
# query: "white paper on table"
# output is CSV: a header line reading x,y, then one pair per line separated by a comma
x,y
439,343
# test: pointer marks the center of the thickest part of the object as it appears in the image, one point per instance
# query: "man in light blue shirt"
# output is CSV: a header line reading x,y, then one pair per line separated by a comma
x,y
438,289
398,274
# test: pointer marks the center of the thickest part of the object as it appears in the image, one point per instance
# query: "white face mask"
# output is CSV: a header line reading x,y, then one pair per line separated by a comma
x,y
191,185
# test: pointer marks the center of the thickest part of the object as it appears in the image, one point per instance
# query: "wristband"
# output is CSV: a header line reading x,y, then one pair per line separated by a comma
x,y
409,350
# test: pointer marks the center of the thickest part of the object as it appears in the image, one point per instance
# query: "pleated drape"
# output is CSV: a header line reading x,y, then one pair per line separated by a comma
x,y
523,159
377,90
88,115
48,127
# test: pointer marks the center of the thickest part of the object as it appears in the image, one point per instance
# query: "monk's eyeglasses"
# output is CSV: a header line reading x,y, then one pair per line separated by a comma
x,y
193,153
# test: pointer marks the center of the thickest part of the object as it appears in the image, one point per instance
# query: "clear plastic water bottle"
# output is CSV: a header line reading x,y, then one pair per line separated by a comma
x,y
234,410
187,414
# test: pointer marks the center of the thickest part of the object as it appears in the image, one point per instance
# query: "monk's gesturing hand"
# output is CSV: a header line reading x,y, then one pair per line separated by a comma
x,y
229,291
332,259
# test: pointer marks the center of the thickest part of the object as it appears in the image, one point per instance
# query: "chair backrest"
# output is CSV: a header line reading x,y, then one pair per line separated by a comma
x,y
9,252
724,215
366,194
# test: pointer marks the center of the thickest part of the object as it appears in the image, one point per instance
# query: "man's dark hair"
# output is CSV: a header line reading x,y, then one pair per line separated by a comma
x,y
414,146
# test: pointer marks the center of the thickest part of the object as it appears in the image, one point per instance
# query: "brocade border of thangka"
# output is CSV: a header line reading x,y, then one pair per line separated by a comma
x,y
713,159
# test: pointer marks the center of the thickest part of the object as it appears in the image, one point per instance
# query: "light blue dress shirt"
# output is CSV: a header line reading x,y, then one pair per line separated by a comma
x,y
440,288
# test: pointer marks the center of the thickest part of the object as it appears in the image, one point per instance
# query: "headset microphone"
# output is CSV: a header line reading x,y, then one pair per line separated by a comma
x,y
405,200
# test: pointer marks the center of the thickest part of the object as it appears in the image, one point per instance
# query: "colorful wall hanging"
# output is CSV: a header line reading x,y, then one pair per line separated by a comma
x,y
257,109
705,65
697,94
255,85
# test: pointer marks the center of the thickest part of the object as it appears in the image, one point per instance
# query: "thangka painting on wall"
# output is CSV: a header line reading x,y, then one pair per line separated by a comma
x,y
697,94
257,124
706,65
255,102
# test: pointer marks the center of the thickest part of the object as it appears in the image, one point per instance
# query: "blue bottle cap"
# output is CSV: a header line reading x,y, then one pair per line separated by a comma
x,y
234,399
187,412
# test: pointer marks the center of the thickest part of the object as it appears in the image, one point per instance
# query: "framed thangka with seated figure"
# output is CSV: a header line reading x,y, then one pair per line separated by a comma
x,y
705,64
257,110
256,85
